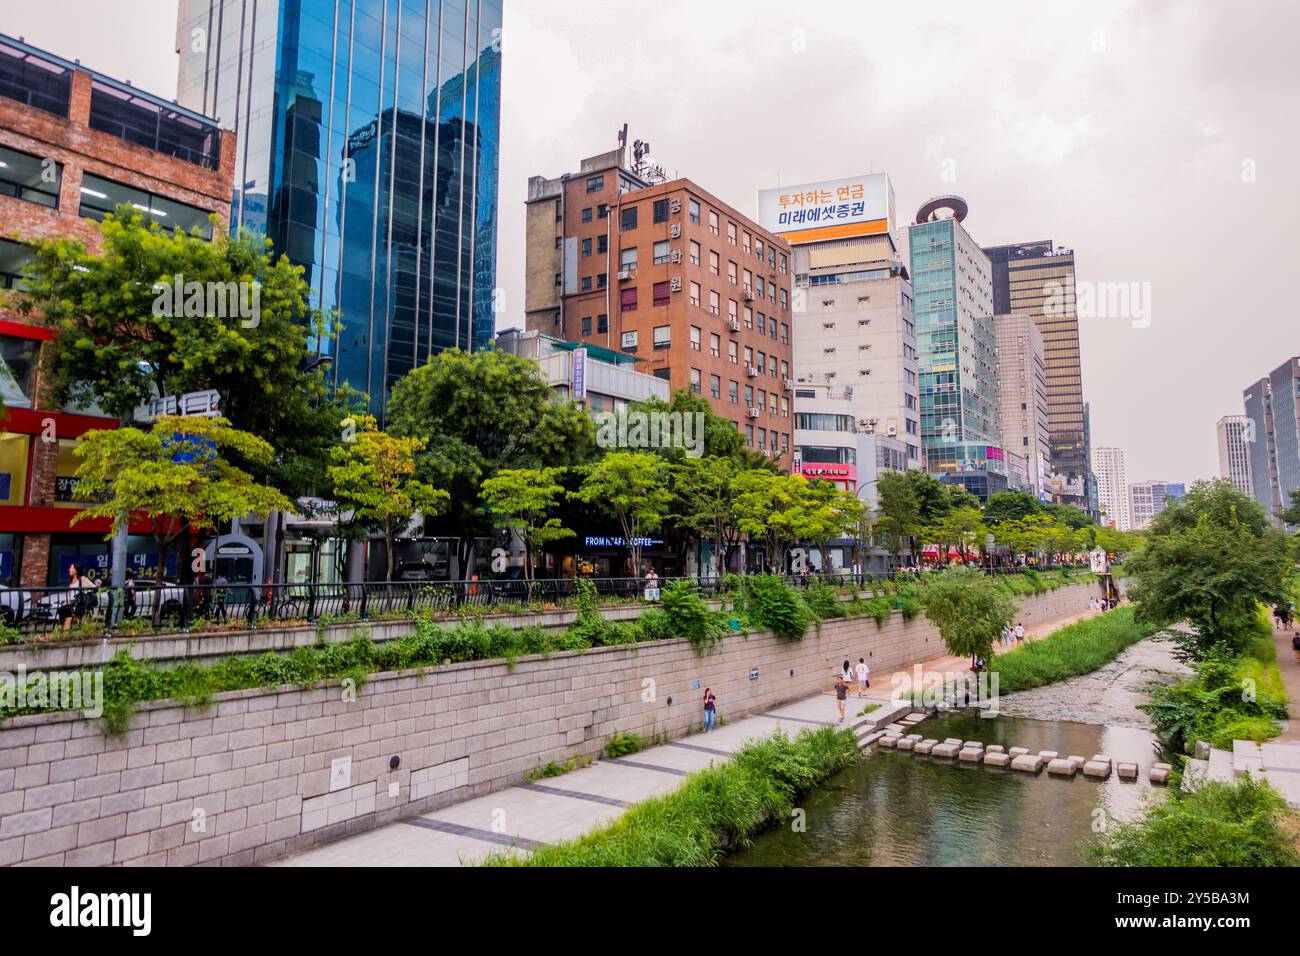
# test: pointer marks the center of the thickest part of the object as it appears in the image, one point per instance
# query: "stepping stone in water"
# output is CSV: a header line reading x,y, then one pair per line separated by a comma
x,y
1018,751
1048,755
1127,771
969,755
1079,761
974,745
954,740
1160,773
889,741
996,749
915,737
1097,768
944,750
906,743
1062,767
996,758
1029,763
924,746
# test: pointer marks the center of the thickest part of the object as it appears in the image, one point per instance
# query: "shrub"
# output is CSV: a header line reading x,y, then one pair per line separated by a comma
x,y
773,604
1218,824
622,744
689,617
824,601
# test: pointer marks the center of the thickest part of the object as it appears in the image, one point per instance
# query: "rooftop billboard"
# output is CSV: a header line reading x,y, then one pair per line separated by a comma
x,y
831,209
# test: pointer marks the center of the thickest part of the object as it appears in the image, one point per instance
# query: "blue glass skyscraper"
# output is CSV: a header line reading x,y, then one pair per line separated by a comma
x,y
368,154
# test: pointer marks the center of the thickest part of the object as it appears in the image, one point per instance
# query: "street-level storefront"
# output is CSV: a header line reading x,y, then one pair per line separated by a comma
x,y
605,555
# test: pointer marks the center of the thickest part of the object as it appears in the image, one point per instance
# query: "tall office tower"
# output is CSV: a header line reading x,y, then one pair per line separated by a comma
x,y
1112,487
1274,441
368,148
1234,433
621,257
952,296
853,327
1037,278
1022,396
1148,498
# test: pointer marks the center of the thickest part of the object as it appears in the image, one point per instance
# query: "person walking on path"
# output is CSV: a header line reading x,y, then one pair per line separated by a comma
x,y
846,672
1020,633
841,694
1295,646
864,676
710,709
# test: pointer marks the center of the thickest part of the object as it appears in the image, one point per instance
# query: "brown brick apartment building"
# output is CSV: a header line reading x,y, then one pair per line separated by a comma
x,y
667,272
73,145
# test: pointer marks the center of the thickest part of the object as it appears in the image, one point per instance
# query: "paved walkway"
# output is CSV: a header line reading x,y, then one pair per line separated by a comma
x,y
564,807
1290,668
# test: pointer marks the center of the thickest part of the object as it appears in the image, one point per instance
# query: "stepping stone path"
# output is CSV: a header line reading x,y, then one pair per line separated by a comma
x,y
1078,761
970,755
1029,763
1061,767
996,758
925,746
1099,766
945,749
996,749
1048,755
1127,771
1018,751
906,743
1160,772
889,741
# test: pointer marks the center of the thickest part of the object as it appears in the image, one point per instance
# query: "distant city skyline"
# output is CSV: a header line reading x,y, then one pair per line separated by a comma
x,y
1113,126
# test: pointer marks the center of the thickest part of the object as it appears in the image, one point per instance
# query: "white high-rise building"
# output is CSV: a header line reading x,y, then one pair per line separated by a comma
x,y
1112,487
1235,433
853,329
1022,396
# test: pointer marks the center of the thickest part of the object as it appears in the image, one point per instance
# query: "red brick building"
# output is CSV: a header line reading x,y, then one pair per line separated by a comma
x,y
666,271
73,145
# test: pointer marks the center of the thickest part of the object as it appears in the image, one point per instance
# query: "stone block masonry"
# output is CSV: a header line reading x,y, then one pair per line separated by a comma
x,y
249,777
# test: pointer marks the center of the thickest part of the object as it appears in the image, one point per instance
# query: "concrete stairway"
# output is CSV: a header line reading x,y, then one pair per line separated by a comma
x,y
897,716
1276,763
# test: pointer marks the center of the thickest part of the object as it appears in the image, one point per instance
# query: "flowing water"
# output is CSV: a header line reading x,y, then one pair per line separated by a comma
x,y
895,808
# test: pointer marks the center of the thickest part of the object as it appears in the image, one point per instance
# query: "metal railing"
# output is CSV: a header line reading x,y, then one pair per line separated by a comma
x,y
150,606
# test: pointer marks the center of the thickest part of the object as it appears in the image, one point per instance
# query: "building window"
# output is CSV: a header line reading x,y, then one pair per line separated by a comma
x,y
662,336
785,300
661,293
785,369
731,272
785,334
749,396
627,260
715,345
99,197
586,247
715,386
559,210
696,335
758,248
15,257
733,392
586,214
771,327
595,184
629,218
602,323
627,299
586,283
731,233
693,210
661,210
559,242
602,210
783,264
695,381
586,326
715,303
713,222
24,177
749,436
695,294
695,253
602,244
745,239
713,262
661,253
629,342
732,356
601,280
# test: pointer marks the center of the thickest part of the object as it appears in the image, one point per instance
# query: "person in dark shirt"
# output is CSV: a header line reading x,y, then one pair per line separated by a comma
x,y
710,709
841,693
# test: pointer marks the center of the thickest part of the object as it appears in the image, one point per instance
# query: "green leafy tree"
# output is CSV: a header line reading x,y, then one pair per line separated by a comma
x,y
1074,518
373,475
970,610
1290,514
899,509
960,528
829,512
704,503
479,412
179,474
1010,505
522,498
630,487
1210,560
772,508
123,338
720,439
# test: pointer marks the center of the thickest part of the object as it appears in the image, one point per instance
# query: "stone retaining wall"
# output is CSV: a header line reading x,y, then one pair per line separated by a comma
x,y
249,777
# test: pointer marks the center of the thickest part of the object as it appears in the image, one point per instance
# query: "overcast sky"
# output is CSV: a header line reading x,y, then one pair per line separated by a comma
x,y
1155,138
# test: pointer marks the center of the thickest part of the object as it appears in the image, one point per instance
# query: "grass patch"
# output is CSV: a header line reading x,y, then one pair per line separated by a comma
x,y
716,810
1078,648
1219,824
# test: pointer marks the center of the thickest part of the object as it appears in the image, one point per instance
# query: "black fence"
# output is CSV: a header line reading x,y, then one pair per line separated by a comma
x,y
153,606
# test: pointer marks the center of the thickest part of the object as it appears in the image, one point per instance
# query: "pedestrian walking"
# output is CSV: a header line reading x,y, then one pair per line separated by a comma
x,y
710,709
1020,632
1295,646
864,676
846,672
841,694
